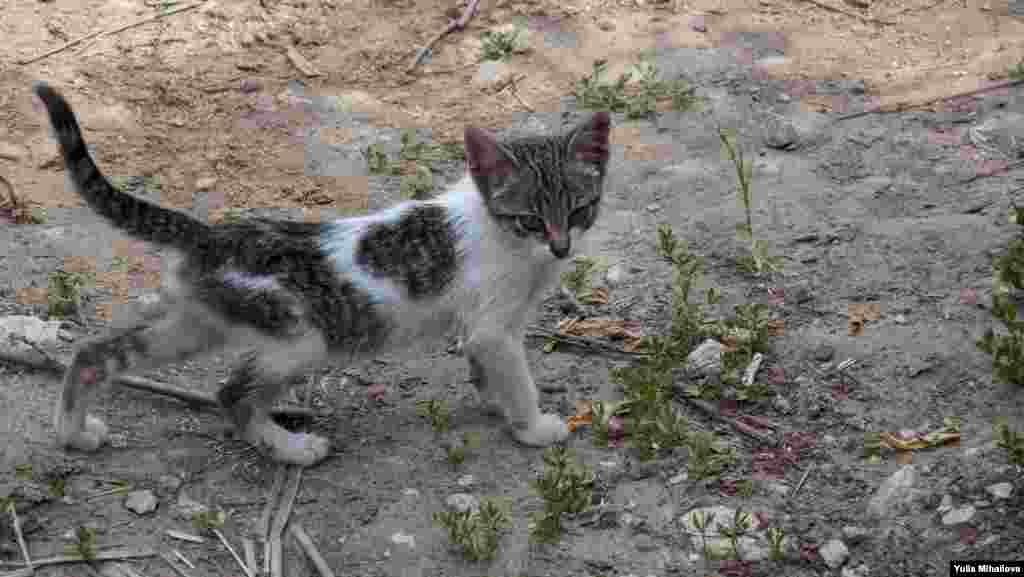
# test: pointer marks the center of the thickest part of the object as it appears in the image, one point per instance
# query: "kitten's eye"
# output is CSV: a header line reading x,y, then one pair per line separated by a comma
x,y
530,223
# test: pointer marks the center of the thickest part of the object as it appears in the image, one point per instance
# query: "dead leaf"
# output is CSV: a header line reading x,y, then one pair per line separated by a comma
x,y
861,313
615,329
776,327
916,442
598,296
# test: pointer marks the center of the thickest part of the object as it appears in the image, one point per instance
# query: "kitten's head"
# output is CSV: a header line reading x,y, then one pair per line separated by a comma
x,y
542,187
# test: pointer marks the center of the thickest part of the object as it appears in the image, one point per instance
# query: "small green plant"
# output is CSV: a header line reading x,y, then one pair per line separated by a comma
x,y
428,152
475,532
436,410
231,215
758,261
741,523
578,280
1016,72
565,487
208,520
1007,350
64,296
1012,441
456,453
419,184
119,264
775,537
636,92
501,44
23,472
85,544
376,159
707,459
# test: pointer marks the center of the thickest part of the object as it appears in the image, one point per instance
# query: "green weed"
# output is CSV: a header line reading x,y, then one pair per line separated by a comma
x,y
501,44
1007,350
758,261
475,532
64,296
636,92
565,487
1012,441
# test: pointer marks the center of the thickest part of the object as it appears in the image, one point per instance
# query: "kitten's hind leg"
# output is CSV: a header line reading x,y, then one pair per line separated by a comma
x,y
176,334
502,360
490,404
254,385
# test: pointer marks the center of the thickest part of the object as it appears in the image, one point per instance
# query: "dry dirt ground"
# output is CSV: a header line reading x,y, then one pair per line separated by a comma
x,y
881,209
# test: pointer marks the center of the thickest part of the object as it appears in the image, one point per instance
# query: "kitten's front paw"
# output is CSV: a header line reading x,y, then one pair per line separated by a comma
x,y
547,430
90,438
302,449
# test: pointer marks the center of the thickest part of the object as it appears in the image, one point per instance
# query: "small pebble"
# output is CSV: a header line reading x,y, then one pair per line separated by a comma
x,y
697,24
141,502
249,85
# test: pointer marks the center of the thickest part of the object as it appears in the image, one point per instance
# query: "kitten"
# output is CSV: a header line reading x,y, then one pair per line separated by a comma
x,y
292,295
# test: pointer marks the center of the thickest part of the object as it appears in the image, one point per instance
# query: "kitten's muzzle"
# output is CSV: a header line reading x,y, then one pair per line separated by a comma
x,y
560,246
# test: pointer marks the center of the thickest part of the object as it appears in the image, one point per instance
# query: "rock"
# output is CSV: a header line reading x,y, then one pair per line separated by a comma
x,y
401,538
186,507
697,24
784,98
824,353
782,404
780,135
615,275
410,492
653,207
1000,490
946,504
205,184
462,502
141,502
861,570
958,516
834,553
248,86
466,481
169,484
16,327
606,25
854,534
677,478
706,359
897,491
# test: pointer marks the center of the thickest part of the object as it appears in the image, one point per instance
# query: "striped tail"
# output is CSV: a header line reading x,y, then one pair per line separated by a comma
x,y
139,218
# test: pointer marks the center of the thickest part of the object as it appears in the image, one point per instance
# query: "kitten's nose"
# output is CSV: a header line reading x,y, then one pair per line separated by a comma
x,y
559,242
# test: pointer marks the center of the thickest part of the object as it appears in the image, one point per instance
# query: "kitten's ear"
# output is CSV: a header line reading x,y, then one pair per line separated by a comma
x,y
589,140
484,156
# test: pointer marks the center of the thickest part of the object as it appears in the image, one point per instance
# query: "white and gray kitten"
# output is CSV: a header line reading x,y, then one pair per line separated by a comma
x,y
476,260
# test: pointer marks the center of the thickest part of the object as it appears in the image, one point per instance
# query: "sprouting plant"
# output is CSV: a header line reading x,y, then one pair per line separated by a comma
x,y
741,523
501,44
64,296
436,410
636,92
1012,441
419,184
456,453
475,532
85,544
231,215
775,537
758,261
376,159
565,487
707,458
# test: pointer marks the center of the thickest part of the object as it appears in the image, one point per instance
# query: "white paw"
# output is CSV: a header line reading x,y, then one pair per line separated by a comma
x,y
89,438
547,430
302,449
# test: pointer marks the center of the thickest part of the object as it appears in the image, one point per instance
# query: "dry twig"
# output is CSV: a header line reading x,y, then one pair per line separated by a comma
x,y
452,26
249,549
113,554
307,545
174,565
299,61
904,106
291,490
21,537
102,33
860,17
580,342
227,545
268,512
803,480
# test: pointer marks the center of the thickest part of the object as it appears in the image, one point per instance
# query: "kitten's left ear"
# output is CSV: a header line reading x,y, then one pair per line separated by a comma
x,y
589,140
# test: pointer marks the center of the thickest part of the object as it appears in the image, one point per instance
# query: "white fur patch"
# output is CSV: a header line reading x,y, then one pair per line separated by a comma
x,y
340,241
250,281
